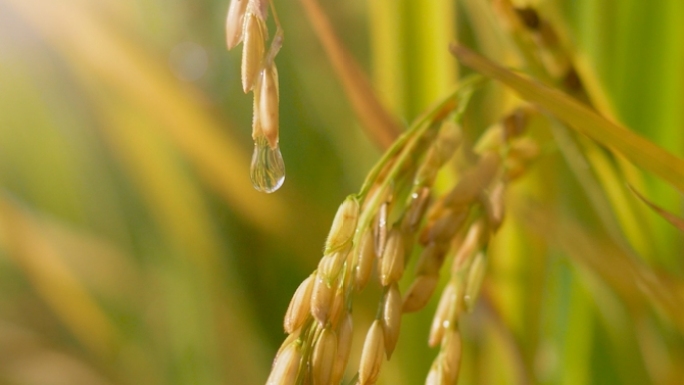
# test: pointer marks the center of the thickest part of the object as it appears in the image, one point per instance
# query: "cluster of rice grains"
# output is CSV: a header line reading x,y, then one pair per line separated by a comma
x,y
373,235
246,23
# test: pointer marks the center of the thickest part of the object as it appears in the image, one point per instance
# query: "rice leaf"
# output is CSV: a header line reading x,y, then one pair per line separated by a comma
x,y
637,149
378,122
636,283
668,216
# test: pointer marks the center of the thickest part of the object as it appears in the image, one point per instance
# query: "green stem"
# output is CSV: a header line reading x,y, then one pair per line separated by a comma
x,y
406,144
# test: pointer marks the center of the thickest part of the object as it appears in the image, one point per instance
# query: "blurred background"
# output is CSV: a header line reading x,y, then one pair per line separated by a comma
x,y
134,250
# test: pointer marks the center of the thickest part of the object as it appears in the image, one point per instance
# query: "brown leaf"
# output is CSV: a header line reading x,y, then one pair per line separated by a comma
x,y
673,219
382,126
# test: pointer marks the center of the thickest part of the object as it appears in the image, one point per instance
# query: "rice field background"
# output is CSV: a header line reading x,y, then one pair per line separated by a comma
x,y
134,250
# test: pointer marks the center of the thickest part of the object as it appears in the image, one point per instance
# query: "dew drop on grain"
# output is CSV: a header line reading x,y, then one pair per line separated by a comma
x,y
268,169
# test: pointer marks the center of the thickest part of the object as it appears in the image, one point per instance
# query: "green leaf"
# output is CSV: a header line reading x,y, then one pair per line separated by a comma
x,y
635,148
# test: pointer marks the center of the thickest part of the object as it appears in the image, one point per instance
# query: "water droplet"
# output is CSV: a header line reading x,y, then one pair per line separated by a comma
x,y
268,168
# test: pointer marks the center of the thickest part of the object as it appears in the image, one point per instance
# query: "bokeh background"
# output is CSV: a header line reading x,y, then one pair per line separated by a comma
x,y
133,249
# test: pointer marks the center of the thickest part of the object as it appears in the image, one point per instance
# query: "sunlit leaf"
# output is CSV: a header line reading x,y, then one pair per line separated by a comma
x,y
634,281
638,150
22,239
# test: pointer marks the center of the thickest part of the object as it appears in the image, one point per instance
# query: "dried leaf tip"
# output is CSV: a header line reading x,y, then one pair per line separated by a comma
x,y
235,22
344,224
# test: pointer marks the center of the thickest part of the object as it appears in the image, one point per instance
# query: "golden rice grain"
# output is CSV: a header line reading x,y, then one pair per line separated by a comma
x,y
372,354
391,318
365,256
392,262
268,103
300,306
344,342
419,293
235,21
286,365
476,274
252,50
321,299
343,225
324,356
446,314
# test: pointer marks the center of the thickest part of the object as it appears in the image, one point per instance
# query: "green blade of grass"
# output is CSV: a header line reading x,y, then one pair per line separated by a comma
x,y
638,150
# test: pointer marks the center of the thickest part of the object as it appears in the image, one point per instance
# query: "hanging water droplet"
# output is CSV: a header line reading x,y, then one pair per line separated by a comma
x,y
268,168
